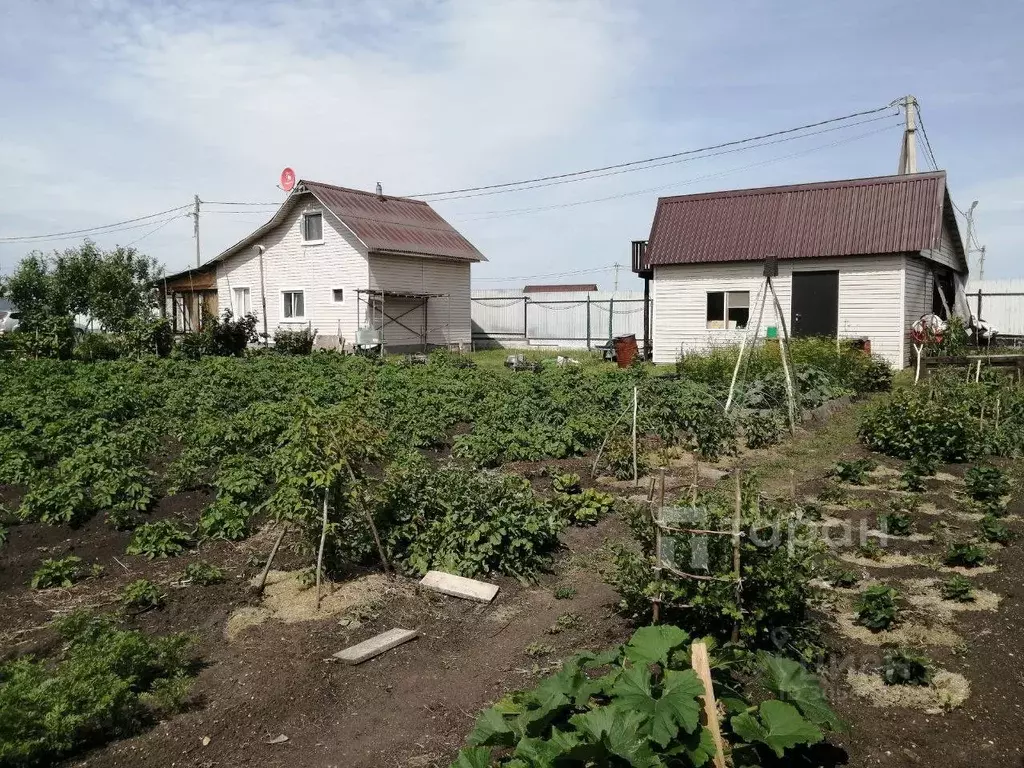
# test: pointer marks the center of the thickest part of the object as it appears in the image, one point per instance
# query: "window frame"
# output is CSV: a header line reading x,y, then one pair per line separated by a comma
x,y
305,316
334,296
305,216
240,312
725,311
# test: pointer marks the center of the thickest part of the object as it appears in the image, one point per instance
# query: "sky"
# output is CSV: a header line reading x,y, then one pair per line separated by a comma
x,y
116,109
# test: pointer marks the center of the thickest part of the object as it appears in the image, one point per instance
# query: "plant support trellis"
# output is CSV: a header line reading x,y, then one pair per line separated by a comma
x,y
667,527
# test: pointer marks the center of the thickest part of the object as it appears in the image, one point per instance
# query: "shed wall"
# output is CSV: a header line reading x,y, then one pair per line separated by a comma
x,y
447,318
917,298
870,302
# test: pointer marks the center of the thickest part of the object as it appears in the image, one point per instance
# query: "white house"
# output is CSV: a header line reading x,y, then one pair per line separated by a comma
x,y
356,267
859,258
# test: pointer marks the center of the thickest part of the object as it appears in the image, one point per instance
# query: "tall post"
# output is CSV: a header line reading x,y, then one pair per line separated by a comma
x,y
195,215
981,266
647,318
970,232
611,316
979,303
908,152
588,321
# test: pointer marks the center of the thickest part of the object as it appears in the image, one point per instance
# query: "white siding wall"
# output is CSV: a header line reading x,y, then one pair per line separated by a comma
x,y
870,302
917,298
317,270
423,275
946,252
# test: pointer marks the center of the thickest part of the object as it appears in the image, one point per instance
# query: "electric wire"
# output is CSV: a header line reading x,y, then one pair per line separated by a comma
x,y
927,143
88,230
657,158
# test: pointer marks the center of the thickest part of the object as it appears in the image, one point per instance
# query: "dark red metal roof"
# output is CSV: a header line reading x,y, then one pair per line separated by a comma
x,y
394,224
884,214
564,288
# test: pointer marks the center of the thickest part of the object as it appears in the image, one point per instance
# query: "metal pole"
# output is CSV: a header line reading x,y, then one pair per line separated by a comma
x,y
979,303
647,318
195,215
981,265
588,321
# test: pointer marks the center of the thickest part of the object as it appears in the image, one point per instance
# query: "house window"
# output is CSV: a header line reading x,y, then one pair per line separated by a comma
x,y
243,302
728,309
339,294
313,228
293,305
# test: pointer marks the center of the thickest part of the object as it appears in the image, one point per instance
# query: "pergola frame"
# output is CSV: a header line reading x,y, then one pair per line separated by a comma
x,y
376,307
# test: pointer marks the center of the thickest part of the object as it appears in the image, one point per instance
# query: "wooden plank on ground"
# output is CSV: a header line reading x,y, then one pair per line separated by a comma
x,y
459,586
702,666
375,646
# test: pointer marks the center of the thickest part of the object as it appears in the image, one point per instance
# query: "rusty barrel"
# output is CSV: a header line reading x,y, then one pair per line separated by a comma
x,y
625,349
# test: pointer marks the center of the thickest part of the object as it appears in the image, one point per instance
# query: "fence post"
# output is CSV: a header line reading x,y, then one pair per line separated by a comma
x,y
588,321
611,316
979,303
526,322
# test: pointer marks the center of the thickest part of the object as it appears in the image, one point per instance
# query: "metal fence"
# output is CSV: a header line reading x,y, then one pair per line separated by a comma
x,y
509,318
999,302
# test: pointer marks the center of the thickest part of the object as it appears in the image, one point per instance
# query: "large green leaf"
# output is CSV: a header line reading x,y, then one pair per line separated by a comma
x,y
790,681
781,727
492,730
699,747
678,706
651,645
473,757
620,732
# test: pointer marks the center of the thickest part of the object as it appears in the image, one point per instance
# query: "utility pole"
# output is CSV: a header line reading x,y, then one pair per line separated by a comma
x,y
195,215
908,152
970,233
616,288
981,265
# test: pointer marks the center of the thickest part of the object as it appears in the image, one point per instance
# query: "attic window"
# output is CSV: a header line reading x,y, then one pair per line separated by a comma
x,y
313,228
728,309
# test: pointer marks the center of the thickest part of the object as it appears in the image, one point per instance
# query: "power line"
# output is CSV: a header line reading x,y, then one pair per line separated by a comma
x,y
589,171
549,274
89,230
222,202
153,231
924,133
487,215
674,161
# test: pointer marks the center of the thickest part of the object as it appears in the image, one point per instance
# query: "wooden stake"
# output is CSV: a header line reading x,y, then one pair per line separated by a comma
x,y
997,412
702,666
790,386
981,417
320,553
373,526
696,477
657,543
977,374
737,522
636,477
270,560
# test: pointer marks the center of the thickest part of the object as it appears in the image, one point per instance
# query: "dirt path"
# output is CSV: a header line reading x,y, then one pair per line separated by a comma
x,y
413,706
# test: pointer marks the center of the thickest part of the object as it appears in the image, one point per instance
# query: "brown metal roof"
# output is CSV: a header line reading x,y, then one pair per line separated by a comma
x,y
884,214
564,288
394,224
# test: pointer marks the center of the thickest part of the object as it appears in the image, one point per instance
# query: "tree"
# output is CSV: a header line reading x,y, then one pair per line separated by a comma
x,y
114,287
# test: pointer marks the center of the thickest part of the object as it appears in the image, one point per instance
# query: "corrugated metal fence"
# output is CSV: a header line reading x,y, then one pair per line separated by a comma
x,y
1001,304
508,318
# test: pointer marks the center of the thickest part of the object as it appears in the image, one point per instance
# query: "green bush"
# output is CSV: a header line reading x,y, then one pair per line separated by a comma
x,y
97,346
583,508
106,682
903,666
966,554
877,608
160,539
142,595
59,573
639,704
465,522
910,423
202,574
986,484
763,430
778,568
294,342
853,472
896,524
958,588
995,530
225,519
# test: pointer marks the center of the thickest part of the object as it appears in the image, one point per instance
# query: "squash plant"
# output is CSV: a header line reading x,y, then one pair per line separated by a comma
x,y
640,704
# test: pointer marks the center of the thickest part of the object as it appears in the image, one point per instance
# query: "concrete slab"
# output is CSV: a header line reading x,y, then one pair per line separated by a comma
x,y
459,586
375,646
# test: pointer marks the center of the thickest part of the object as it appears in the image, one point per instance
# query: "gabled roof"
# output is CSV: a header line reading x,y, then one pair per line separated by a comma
x,y
854,217
384,224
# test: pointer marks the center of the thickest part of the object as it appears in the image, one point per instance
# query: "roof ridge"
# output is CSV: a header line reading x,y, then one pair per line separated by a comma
x,y
805,186
362,192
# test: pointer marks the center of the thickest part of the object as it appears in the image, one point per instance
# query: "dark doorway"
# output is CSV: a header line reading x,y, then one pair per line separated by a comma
x,y
815,303
943,303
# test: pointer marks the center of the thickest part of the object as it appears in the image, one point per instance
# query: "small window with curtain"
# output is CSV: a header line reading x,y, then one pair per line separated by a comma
x,y
293,305
313,228
243,302
727,310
